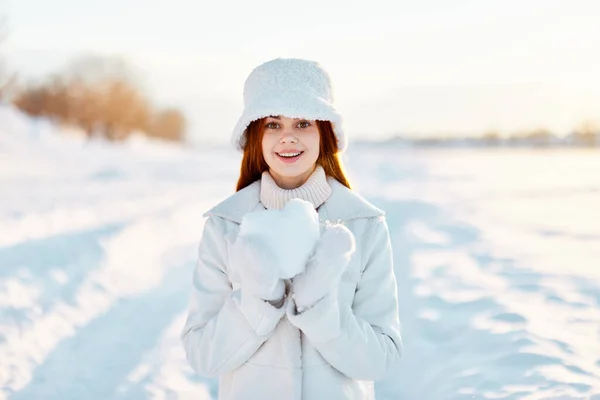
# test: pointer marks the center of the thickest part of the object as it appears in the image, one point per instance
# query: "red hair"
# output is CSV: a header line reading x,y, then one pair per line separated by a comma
x,y
254,164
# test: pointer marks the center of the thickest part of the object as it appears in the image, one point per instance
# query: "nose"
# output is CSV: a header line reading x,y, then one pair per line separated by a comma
x,y
288,137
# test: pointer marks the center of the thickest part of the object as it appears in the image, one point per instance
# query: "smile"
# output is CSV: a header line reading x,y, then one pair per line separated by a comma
x,y
289,157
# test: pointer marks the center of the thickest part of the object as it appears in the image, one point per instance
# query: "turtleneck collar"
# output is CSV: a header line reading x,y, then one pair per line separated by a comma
x,y
316,189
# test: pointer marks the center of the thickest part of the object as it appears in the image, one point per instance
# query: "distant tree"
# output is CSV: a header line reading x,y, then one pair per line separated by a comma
x,y
168,124
55,99
33,101
106,98
101,96
587,134
491,138
124,110
538,138
86,102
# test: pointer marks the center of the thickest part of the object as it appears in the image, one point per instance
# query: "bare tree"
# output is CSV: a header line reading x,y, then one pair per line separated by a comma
x,y
587,134
168,124
100,96
124,110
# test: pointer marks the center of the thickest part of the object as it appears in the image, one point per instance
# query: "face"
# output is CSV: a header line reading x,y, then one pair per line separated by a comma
x,y
290,147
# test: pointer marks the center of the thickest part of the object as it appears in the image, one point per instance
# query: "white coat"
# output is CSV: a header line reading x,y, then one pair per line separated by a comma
x,y
334,350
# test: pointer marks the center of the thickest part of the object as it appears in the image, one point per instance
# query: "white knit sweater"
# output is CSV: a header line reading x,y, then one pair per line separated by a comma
x,y
315,190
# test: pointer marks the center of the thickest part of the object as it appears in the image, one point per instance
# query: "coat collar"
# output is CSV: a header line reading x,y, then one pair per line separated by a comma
x,y
342,205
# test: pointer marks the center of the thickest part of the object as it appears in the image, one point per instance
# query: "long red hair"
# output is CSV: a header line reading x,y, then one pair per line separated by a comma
x,y
254,164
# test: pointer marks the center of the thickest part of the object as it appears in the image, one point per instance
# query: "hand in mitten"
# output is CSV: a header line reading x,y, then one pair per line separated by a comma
x,y
325,267
288,235
254,264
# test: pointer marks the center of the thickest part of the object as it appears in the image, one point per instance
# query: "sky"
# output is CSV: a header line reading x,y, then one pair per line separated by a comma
x,y
433,67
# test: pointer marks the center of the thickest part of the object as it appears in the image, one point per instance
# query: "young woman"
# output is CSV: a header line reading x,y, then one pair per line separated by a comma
x,y
329,332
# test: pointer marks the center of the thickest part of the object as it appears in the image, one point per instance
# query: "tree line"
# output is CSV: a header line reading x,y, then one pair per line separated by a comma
x,y
585,135
100,96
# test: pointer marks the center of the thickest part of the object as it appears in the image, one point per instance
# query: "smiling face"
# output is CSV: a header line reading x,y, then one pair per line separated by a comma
x,y
290,148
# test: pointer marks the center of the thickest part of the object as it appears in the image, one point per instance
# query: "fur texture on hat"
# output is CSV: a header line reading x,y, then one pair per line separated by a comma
x,y
290,87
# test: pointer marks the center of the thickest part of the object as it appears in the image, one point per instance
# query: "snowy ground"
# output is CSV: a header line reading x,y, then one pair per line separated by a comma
x,y
496,254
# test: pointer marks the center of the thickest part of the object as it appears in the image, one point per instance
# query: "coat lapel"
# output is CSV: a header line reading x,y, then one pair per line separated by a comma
x,y
345,204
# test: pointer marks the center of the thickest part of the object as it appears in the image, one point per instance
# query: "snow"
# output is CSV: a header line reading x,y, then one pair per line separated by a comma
x,y
496,254
290,234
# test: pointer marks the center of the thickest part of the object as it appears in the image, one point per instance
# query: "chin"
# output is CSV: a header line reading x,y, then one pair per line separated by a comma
x,y
291,172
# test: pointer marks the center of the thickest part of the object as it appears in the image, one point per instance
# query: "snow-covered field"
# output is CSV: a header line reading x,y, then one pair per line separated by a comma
x,y
496,252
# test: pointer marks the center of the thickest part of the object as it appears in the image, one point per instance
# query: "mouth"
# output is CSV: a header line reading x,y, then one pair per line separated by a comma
x,y
289,157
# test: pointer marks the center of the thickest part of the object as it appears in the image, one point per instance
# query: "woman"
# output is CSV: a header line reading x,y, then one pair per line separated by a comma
x,y
329,332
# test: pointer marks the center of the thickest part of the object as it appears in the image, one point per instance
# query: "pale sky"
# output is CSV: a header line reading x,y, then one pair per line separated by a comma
x,y
408,67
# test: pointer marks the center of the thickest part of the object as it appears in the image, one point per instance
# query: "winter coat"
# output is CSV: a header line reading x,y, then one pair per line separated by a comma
x,y
334,350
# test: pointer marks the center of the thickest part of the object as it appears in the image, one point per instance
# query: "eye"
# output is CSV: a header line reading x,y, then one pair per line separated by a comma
x,y
271,125
303,124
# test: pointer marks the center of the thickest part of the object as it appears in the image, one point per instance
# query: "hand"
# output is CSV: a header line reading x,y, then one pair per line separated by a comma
x,y
325,268
254,264
289,235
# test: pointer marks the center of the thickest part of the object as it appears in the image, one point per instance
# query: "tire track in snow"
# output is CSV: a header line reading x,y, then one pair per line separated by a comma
x,y
132,266
164,372
93,363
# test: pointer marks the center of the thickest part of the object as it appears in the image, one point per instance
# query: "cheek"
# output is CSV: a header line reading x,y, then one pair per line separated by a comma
x,y
264,147
267,145
267,151
315,141
312,145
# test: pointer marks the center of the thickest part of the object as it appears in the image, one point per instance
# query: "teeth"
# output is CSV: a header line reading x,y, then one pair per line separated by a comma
x,y
289,154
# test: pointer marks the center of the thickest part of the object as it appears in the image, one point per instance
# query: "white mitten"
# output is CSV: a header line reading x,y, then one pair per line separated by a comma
x,y
288,235
256,268
325,267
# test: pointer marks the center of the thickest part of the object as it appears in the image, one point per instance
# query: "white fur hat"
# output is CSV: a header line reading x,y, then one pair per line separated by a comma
x,y
291,87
